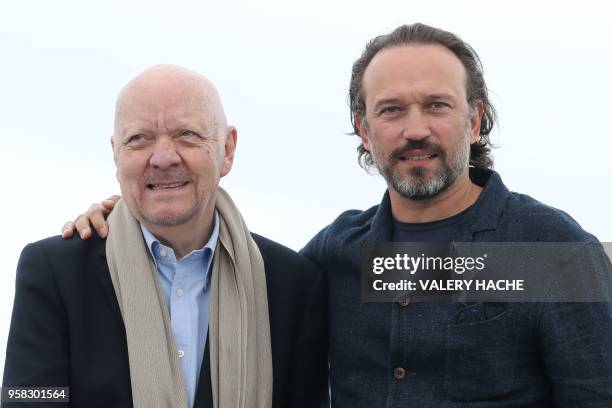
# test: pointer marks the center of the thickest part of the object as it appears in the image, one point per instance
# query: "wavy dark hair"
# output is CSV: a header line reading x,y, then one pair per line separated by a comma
x,y
480,152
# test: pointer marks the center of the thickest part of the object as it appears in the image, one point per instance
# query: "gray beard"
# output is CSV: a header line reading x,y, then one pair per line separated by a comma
x,y
416,186
169,220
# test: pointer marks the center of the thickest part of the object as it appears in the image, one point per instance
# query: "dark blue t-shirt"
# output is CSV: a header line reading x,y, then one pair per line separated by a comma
x,y
445,230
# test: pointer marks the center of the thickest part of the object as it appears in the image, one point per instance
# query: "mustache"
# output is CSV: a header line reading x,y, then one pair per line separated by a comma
x,y
423,144
163,176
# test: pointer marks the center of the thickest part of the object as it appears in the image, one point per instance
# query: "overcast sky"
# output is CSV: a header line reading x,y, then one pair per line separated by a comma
x,y
282,69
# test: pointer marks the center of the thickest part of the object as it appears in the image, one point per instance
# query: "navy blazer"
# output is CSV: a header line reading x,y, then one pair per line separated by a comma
x,y
456,355
67,330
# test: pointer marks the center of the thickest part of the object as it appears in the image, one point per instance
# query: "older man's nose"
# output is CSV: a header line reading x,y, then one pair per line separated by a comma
x,y
165,155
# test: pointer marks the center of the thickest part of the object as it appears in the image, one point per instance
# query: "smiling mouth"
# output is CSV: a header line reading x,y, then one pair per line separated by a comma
x,y
166,186
416,158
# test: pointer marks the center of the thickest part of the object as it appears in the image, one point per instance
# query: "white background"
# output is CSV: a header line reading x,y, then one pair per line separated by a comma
x,y
282,69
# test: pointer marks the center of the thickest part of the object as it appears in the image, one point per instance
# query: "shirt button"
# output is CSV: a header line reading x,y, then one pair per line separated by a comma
x,y
399,373
179,292
404,301
162,253
181,353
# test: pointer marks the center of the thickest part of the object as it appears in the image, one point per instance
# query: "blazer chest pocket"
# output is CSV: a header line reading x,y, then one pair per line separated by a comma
x,y
479,363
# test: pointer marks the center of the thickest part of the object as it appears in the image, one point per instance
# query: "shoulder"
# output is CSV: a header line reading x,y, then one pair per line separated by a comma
x,y
284,264
348,227
57,256
52,273
71,246
540,222
352,222
294,284
272,251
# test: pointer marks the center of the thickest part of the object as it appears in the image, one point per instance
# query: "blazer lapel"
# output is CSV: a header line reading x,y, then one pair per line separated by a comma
x,y
203,397
102,275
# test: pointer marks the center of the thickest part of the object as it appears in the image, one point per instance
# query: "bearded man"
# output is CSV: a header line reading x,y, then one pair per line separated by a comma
x,y
420,106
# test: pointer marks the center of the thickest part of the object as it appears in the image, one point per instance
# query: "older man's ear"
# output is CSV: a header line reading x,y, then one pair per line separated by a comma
x,y
230,148
112,142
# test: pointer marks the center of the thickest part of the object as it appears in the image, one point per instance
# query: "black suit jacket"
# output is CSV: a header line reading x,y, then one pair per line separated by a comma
x,y
67,330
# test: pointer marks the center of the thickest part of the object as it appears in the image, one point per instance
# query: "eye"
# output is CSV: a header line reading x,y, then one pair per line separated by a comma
x,y
439,105
390,109
188,134
134,139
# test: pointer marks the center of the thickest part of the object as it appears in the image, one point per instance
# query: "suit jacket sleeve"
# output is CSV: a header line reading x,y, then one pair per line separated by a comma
x,y
37,350
576,338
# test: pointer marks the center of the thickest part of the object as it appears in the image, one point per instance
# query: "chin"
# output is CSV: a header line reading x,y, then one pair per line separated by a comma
x,y
168,218
422,187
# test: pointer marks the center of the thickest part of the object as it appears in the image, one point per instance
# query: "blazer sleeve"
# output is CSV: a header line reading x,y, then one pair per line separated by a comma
x,y
37,352
576,345
576,338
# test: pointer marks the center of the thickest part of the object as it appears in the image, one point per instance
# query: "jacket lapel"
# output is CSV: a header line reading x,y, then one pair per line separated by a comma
x,y
204,397
102,275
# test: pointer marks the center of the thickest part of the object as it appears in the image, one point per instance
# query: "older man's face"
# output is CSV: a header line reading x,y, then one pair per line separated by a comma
x,y
419,125
169,151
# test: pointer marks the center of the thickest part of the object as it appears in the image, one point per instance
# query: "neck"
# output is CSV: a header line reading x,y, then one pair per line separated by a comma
x,y
189,236
459,196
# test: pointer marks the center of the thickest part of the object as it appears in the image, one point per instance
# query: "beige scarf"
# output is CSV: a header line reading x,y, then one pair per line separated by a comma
x,y
239,327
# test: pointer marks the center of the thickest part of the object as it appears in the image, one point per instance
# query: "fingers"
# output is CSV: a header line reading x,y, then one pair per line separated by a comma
x,y
84,222
67,230
110,202
83,226
96,218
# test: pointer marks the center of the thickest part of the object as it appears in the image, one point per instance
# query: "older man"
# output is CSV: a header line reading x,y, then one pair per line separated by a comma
x,y
181,306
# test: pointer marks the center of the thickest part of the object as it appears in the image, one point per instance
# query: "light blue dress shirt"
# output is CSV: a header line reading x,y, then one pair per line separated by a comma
x,y
185,285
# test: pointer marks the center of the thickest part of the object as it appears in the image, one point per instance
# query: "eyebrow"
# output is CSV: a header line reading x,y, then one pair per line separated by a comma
x,y
387,101
189,124
126,133
439,96
142,127
430,97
